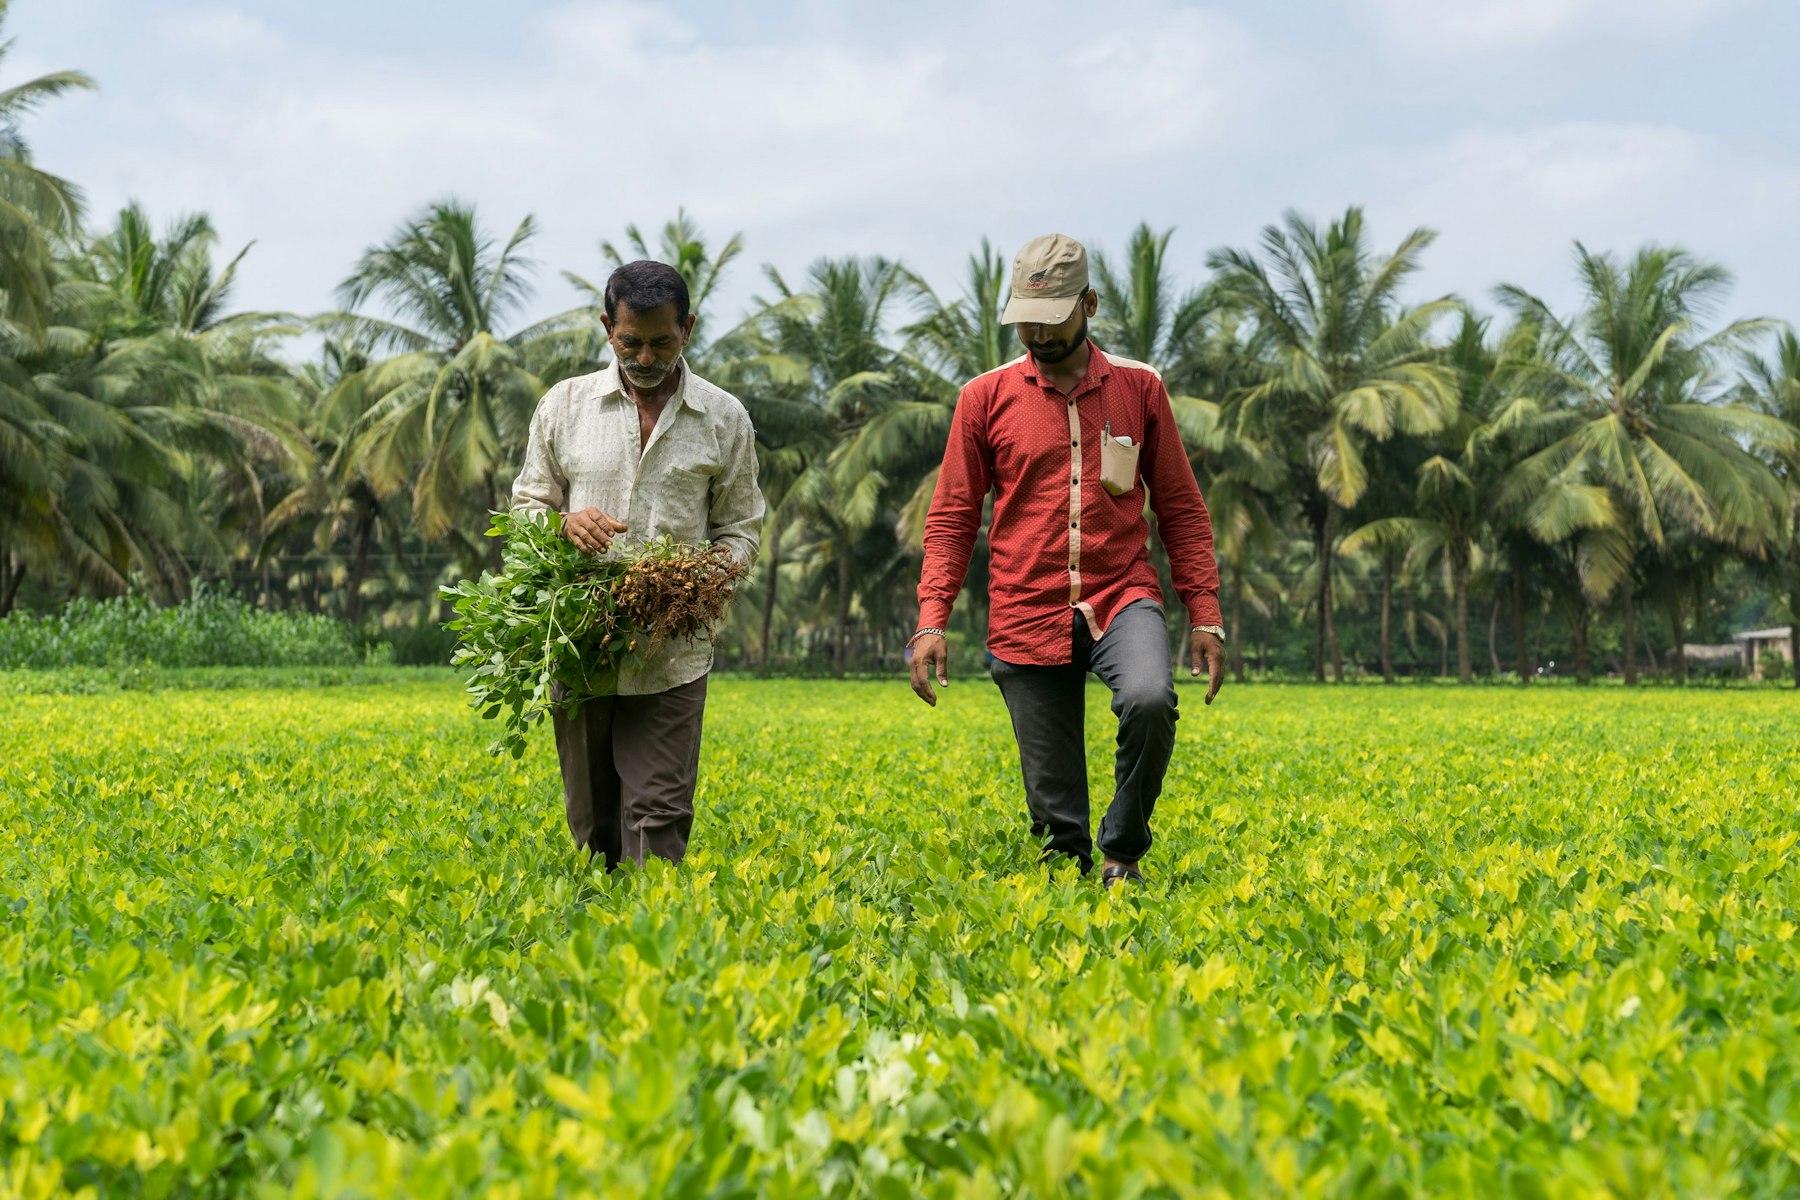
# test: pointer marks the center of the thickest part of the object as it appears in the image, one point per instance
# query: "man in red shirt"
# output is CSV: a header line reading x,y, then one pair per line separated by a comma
x,y
1069,438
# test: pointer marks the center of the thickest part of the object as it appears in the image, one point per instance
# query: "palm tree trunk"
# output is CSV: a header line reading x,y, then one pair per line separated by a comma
x,y
1459,582
171,579
842,658
1326,534
12,574
1579,617
1494,635
1794,637
493,552
1631,674
1387,615
359,566
1680,635
1321,550
1235,635
771,581
1521,647
1444,628
1331,631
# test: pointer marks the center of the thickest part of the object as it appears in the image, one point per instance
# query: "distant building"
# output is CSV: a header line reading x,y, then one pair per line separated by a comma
x,y
1756,643
1727,657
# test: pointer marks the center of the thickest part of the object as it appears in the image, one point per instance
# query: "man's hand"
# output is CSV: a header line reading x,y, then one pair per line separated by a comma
x,y
1207,648
591,530
931,656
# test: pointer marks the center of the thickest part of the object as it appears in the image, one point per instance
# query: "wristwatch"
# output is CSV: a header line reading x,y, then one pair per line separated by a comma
x,y
1217,631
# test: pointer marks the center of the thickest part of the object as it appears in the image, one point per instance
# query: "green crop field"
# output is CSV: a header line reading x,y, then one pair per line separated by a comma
x,y
1421,941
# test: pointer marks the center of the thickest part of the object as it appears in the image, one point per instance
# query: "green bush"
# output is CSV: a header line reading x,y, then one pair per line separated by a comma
x,y
213,629
428,645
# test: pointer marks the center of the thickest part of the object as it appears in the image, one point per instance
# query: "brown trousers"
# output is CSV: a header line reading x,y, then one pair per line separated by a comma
x,y
629,765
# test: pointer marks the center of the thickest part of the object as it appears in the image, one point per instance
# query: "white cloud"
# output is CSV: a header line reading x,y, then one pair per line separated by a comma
x,y
1465,26
611,112
1509,204
847,130
230,32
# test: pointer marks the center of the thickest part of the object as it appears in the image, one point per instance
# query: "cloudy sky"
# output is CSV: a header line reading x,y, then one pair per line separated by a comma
x,y
1512,127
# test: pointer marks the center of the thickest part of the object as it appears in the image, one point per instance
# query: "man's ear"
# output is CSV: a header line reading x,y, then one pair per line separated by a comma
x,y
606,322
687,329
1091,302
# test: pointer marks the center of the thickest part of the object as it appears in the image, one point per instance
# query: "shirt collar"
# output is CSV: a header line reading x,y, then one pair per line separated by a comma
x,y
611,385
1098,368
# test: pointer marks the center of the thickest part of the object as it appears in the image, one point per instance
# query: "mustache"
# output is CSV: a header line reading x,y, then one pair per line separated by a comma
x,y
647,374
1051,351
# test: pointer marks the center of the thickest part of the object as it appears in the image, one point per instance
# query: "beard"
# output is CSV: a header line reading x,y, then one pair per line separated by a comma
x,y
647,379
1050,353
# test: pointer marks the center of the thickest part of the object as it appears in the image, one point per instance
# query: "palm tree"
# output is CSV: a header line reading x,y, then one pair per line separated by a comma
x,y
837,326
683,246
91,489
168,313
1347,364
1646,419
1456,488
1143,315
37,209
142,417
446,413
573,342
332,493
1772,386
1212,367
952,343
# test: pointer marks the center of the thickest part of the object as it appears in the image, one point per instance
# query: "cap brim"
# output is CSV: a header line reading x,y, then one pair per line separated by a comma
x,y
1033,310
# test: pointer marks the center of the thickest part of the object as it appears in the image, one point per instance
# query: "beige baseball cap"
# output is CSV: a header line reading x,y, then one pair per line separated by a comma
x,y
1049,277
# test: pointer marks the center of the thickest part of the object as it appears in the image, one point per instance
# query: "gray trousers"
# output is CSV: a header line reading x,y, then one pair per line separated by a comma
x,y
629,764
1048,708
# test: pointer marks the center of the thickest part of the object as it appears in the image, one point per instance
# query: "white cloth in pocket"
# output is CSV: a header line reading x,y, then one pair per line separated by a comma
x,y
1118,462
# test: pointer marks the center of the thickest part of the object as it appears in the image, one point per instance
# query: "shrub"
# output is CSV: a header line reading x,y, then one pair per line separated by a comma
x,y
213,629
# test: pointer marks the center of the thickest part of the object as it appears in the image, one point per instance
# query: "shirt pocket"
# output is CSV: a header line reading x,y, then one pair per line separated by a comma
x,y
681,501
1118,463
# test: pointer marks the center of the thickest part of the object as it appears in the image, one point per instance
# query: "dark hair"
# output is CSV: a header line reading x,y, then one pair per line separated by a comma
x,y
644,285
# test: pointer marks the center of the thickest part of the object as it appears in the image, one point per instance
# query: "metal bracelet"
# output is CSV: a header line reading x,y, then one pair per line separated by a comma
x,y
925,630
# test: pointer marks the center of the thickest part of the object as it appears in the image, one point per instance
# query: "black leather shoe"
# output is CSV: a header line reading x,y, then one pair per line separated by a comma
x,y
1055,860
1113,874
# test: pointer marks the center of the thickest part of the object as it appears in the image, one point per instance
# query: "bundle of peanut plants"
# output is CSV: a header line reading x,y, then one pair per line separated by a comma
x,y
554,627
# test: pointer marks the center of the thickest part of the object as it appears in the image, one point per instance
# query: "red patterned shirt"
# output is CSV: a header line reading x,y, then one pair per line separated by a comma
x,y
1059,540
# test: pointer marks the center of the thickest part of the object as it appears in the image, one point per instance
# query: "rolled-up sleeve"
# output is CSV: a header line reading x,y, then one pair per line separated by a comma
x,y
540,484
735,511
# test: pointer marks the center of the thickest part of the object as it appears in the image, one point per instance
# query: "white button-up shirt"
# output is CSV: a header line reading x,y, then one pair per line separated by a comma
x,y
694,481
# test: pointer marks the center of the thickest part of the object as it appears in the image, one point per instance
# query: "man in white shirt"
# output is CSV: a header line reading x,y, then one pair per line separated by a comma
x,y
642,449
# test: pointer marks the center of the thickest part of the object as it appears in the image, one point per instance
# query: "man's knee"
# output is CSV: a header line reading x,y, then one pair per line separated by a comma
x,y
1149,703
670,803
